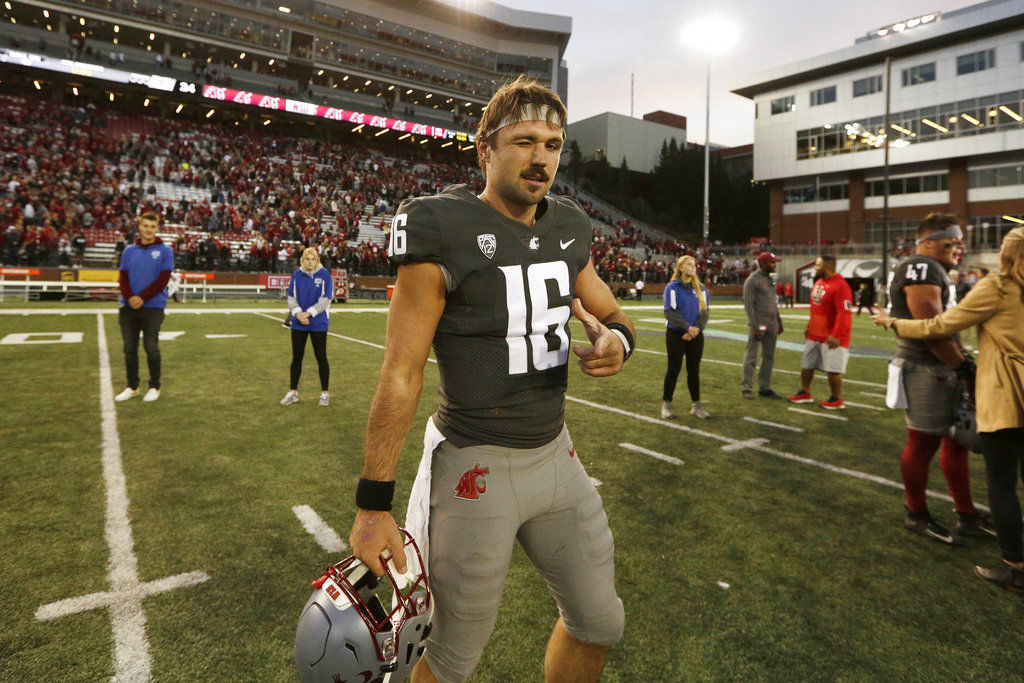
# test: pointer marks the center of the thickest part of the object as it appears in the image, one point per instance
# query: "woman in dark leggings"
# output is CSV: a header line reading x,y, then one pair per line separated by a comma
x,y
309,299
686,315
996,306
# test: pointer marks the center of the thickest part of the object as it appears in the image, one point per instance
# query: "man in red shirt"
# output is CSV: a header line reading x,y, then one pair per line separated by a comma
x,y
828,334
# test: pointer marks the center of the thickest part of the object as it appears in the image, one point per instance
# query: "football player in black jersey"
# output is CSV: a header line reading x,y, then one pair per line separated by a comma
x,y
490,282
921,288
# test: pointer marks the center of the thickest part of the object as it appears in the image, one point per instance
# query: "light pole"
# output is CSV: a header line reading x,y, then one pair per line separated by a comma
x,y
710,36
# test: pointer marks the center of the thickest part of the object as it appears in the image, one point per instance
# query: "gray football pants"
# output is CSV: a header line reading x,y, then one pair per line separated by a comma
x,y
764,377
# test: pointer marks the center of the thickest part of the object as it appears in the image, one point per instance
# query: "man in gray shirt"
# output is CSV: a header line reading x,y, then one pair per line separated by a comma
x,y
763,326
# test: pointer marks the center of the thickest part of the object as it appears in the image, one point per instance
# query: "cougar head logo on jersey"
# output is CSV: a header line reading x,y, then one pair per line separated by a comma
x,y
487,244
534,243
472,484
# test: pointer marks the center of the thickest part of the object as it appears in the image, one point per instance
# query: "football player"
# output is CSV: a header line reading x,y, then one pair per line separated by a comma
x,y
491,282
921,288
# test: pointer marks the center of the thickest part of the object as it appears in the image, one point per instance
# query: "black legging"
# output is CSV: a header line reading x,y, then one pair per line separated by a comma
x,y
678,347
319,340
1004,460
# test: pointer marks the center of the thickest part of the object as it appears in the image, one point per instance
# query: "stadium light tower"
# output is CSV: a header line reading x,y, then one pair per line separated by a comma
x,y
711,36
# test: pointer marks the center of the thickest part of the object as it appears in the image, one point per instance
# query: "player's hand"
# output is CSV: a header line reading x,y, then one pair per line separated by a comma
x,y
136,302
833,342
758,334
780,326
882,319
606,355
374,533
694,332
303,317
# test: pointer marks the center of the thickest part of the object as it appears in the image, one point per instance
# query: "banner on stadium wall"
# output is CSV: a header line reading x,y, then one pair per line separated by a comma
x,y
214,92
97,275
274,281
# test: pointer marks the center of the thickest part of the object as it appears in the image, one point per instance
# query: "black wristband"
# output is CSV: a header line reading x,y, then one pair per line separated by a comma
x,y
375,495
628,337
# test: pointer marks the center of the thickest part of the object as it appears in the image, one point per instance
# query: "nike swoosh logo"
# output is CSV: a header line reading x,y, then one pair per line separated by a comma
x,y
565,245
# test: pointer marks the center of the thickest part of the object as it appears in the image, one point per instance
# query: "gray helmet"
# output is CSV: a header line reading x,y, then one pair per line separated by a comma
x,y
346,634
965,424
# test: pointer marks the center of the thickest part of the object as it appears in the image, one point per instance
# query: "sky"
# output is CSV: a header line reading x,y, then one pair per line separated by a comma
x,y
612,39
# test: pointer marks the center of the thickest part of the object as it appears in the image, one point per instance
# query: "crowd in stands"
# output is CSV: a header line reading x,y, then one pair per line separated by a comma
x,y
254,200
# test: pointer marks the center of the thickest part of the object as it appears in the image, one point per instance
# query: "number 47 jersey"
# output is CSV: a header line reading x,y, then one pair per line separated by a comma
x,y
502,344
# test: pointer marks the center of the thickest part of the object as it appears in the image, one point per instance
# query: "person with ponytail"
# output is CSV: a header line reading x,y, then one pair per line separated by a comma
x,y
310,292
686,315
996,306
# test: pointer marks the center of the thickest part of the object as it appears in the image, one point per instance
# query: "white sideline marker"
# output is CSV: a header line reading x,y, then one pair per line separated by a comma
x,y
815,413
168,336
739,445
326,537
131,646
225,336
653,454
776,425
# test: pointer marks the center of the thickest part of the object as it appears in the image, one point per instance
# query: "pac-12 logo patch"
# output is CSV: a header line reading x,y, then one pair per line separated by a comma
x,y
487,244
471,484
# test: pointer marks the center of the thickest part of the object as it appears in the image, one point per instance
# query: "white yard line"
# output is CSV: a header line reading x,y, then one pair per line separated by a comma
x,y
871,394
128,621
864,405
326,537
654,454
818,413
776,425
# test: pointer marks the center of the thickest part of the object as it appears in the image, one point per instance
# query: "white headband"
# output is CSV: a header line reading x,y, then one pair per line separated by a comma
x,y
530,113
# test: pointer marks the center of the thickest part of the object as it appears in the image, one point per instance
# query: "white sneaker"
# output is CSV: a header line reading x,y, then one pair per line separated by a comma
x,y
290,398
666,411
127,394
151,395
697,410
325,399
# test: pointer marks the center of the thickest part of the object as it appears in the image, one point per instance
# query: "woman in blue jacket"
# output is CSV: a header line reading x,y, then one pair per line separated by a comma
x,y
686,316
309,299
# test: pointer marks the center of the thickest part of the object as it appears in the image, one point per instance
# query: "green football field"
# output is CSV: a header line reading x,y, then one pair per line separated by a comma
x,y
176,539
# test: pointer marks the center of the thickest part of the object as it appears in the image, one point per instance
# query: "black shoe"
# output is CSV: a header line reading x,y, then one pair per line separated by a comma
x,y
1004,575
768,393
974,524
922,523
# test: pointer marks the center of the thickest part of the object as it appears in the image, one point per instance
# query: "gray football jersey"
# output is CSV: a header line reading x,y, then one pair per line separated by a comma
x,y
502,344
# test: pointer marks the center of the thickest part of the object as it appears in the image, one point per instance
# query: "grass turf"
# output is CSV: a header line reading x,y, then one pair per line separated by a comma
x,y
823,582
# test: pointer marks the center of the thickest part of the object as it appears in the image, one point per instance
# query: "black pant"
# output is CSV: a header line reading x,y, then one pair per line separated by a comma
x,y
319,341
677,348
147,321
1004,461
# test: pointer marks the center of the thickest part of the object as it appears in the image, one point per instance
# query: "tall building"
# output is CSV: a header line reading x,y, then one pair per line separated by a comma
x,y
619,138
953,86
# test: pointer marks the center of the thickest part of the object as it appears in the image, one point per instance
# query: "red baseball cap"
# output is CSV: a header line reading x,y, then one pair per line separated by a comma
x,y
767,257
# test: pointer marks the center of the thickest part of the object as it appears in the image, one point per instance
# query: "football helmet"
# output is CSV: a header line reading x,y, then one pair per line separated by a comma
x,y
346,634
965,424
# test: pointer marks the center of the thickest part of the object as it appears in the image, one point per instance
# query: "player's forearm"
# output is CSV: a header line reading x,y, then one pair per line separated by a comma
x,y
391,415
947,350
621,318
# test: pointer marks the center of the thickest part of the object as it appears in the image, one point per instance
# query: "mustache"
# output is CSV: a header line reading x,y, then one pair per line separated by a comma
x,y
536,173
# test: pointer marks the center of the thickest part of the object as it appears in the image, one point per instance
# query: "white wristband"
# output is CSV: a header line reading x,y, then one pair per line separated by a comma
x,y
296,310
625,344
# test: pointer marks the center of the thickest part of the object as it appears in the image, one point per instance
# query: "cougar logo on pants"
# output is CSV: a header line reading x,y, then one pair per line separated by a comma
x,y
472,484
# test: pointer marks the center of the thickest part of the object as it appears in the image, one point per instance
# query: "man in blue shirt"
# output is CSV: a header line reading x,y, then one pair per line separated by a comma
x,y
146,267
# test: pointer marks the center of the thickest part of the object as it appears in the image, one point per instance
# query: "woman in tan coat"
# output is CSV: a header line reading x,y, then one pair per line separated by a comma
x,y
996,306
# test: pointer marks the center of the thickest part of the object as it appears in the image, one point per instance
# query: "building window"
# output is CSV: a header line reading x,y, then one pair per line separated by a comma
x,y
922,73
975,61
932,182
823,95
784,104
996,176
867,86
816,193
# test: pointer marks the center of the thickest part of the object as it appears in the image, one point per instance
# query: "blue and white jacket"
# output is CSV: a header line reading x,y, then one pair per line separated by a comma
x,y
311,292
682,308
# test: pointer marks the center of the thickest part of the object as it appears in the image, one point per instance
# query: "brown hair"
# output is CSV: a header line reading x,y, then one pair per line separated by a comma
x,y
936,221
150,216
513,97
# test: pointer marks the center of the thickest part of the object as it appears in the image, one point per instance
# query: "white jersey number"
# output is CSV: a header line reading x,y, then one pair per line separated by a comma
x,y
523,338
397,244
917,271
